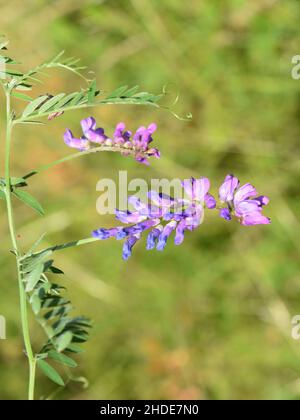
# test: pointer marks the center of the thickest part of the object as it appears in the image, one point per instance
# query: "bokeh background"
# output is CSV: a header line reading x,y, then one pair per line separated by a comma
x,y
210,319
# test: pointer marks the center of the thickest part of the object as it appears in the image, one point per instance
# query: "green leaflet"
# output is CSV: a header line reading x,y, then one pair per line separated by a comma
x,y
23,87
50,372
92,92
73,348
35,303
37,243
55,270
62,358
21,96
34,277
66,99
28,199
50,104
29,110
118,92
132,91
63,341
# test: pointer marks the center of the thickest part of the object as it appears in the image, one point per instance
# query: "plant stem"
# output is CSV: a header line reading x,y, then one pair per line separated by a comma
x,y
23,300
114,149
32,368
61,247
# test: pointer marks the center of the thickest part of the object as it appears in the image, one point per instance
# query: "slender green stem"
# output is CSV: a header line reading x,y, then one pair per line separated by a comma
x,y
61,247
7,176
74,243
23,300
32,368
114,149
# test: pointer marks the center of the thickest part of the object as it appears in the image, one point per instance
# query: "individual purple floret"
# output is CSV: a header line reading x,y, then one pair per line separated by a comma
x,y
198,192
77,143
161,216
122,140
129,244
91,133
242,202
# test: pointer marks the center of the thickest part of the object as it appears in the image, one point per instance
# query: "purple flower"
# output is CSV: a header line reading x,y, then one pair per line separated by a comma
x,y
129,217
194,216
81,144
225,214
143,136
123,141
210,201
138,228
227,189
166,233
91,133
102,234
121,136
197,191
180,230
243,202
129,244
153,237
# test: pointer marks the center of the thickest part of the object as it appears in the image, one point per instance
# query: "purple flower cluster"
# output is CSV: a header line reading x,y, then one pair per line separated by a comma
x,y
162,215
124,141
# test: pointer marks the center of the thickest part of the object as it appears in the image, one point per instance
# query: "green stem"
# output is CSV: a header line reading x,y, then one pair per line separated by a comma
x,y
61,247
32,368
74,243
114,149
22,293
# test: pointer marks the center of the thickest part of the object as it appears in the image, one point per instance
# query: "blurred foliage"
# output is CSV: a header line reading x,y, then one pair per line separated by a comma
x,y
212,318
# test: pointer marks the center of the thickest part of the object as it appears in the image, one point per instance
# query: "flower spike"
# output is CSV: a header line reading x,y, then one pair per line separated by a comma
x,y
162,215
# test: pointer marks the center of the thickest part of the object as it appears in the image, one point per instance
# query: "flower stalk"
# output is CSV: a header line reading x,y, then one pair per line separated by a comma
x,y
111,149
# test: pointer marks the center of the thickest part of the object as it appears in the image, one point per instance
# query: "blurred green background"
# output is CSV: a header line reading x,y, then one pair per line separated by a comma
x,y
210,319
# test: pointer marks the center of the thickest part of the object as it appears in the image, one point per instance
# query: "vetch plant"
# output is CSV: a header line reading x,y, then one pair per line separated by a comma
x,y
160,216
